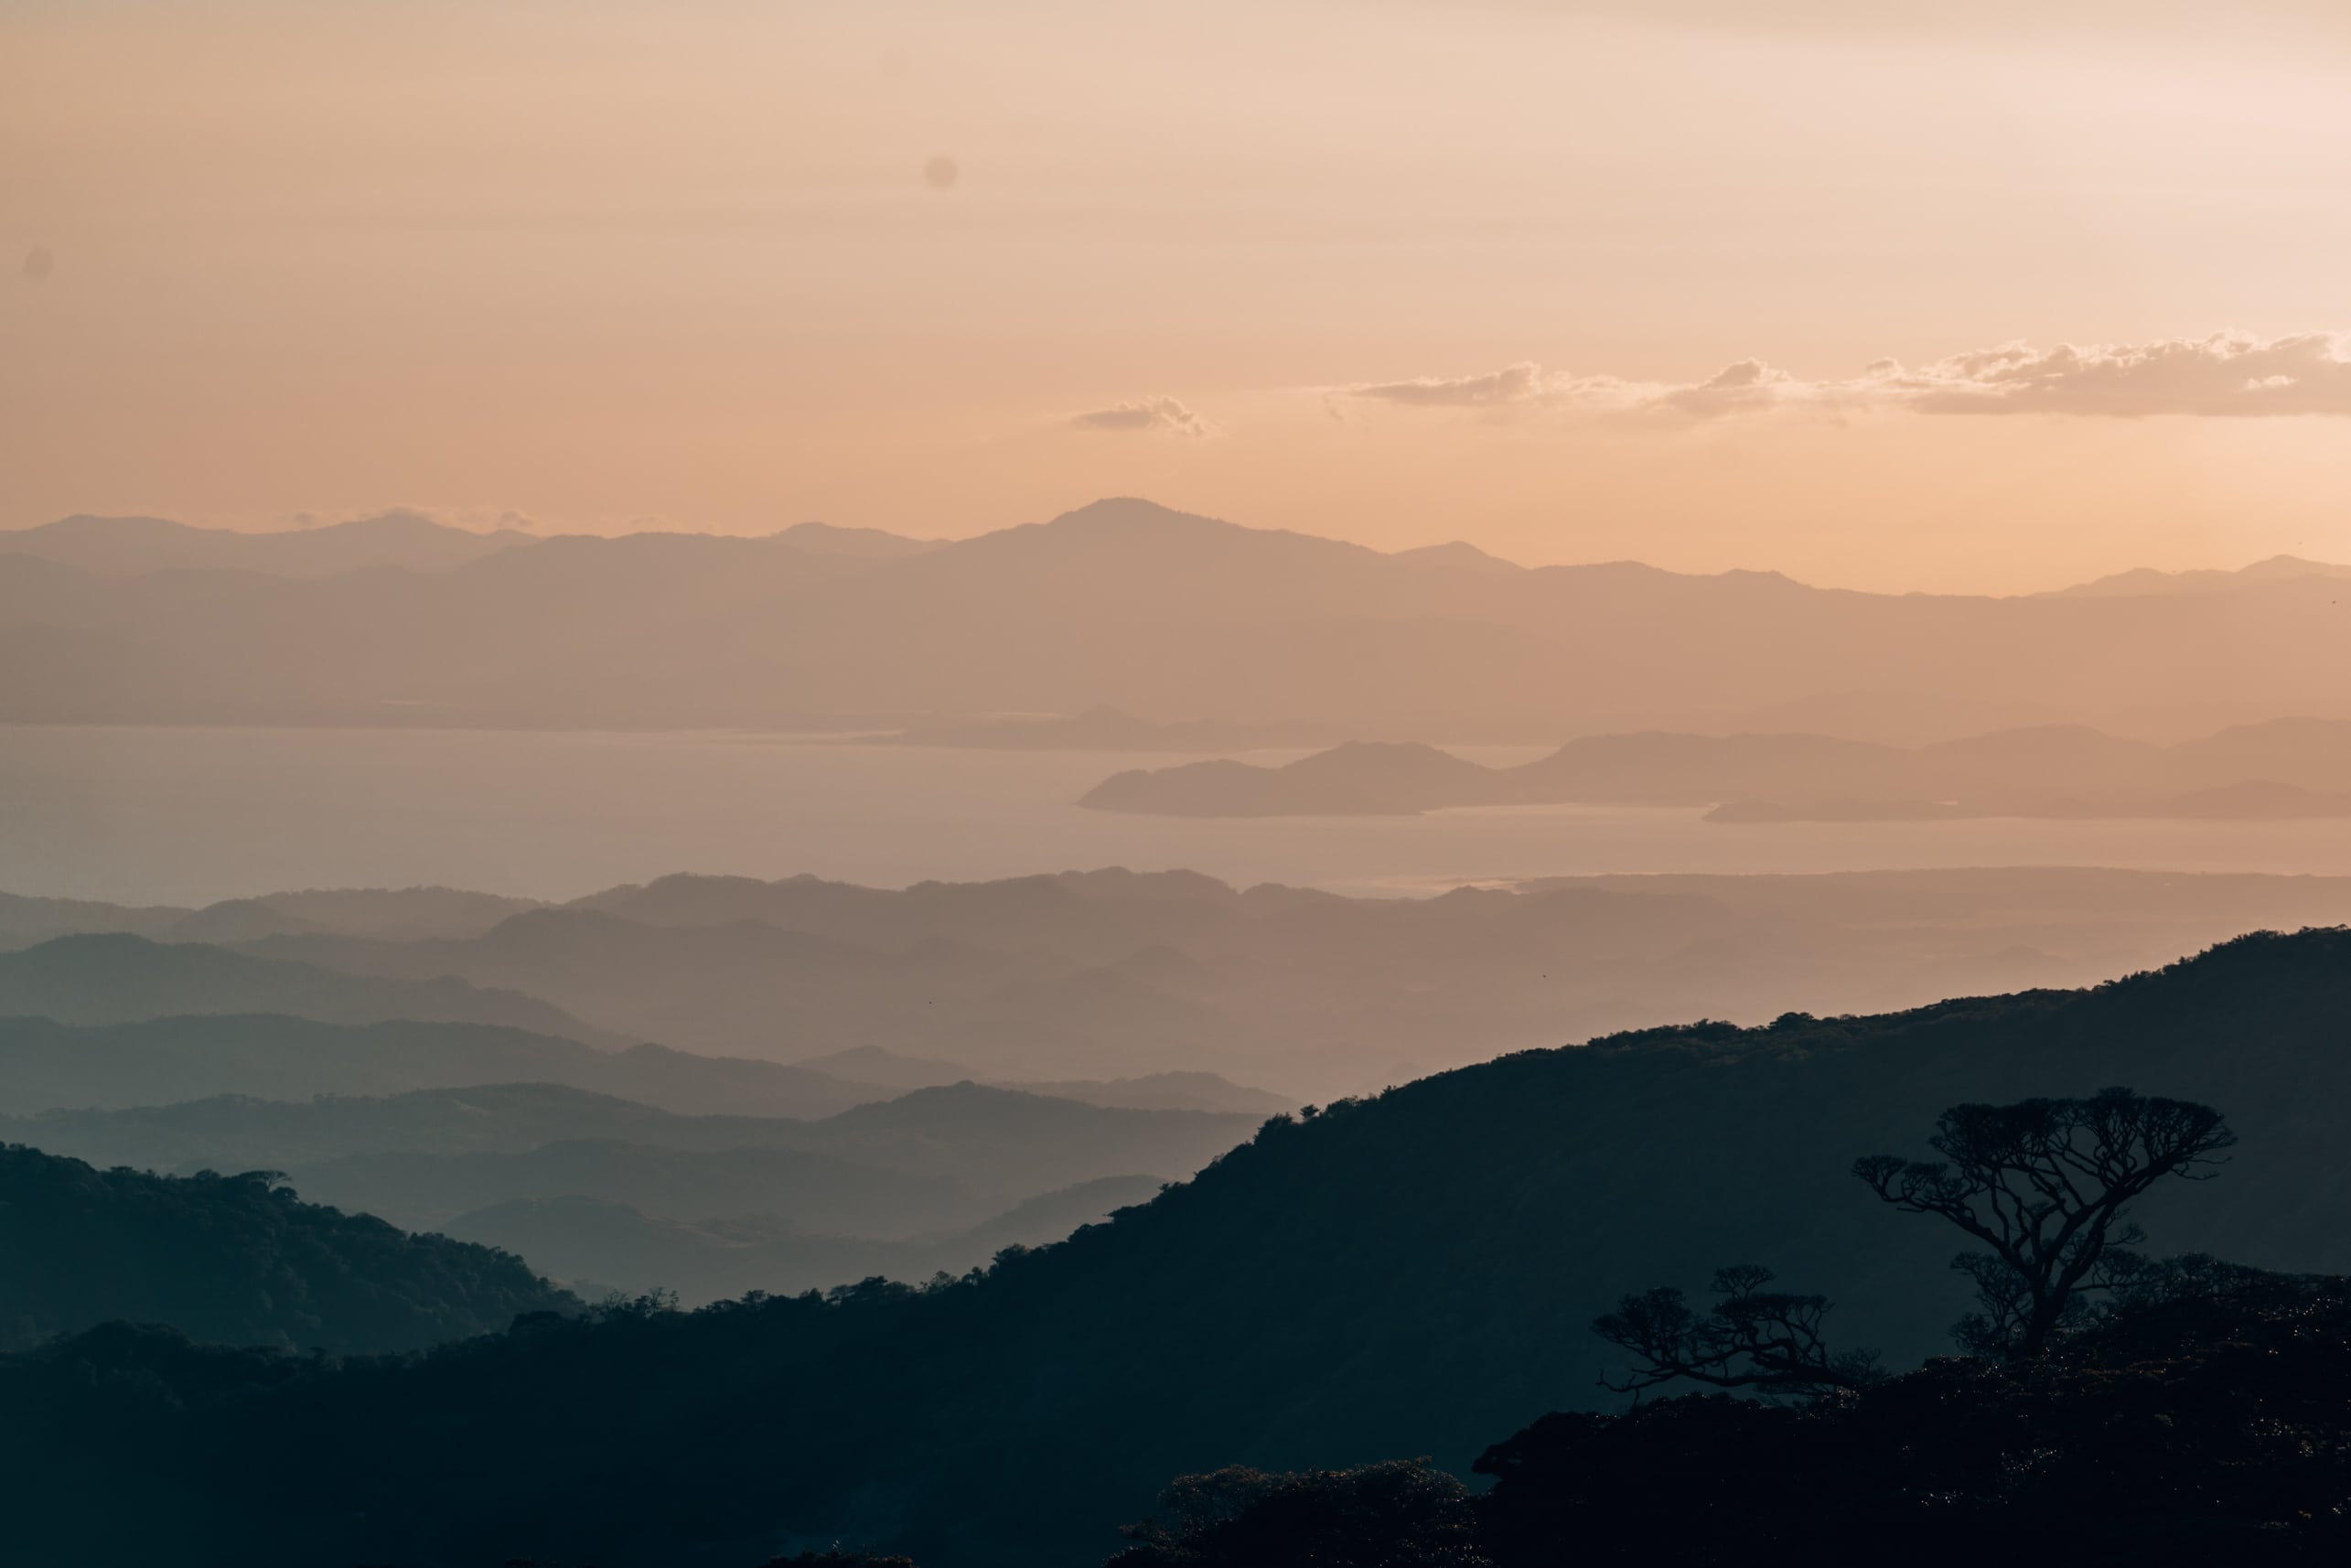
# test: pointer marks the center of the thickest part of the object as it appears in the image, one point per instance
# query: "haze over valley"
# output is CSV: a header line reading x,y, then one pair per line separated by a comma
x,y
440,944
1307,784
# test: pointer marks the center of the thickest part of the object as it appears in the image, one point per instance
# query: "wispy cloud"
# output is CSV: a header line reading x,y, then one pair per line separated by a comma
x,y
1736,388
1522,382
1163,415
2228,374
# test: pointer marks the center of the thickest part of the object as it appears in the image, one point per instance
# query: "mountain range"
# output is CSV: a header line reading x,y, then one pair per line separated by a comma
x,y
933,1160
109,978
1410,1274
1098,982
176,1056
597,1245
1183,618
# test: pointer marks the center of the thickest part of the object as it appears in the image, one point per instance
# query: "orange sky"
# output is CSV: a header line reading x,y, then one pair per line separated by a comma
x,y
601,263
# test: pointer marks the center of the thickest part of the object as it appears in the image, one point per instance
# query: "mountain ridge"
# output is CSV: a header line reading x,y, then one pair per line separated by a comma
x,y
1182,617
1409,1273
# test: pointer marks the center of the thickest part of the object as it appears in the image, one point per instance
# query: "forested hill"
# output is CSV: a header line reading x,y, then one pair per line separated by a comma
x,y
236,1259
1413,1275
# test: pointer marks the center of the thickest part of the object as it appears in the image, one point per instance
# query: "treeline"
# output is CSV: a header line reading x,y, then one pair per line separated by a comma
x,y
2210,1429
236,1259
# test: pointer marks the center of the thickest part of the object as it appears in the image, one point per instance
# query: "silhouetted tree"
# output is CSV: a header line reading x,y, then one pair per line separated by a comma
x,y
1751,1339
2045,1185
2211,1425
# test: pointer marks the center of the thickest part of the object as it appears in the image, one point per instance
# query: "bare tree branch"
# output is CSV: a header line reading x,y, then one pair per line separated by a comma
x,y
2046,1183
1751,1339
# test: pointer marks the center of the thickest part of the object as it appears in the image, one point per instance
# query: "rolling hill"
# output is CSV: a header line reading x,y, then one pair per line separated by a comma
x,y
236,1259
934,1159
591,1244
118,978
409,914
1410,1274
47,1066
1082,980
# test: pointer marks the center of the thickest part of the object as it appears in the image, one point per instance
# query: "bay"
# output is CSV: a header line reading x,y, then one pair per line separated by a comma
x,y
192,815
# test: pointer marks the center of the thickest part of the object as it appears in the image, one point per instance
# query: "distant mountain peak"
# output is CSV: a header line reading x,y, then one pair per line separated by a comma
x,y
860,544
1134,511
1458,556
2145,581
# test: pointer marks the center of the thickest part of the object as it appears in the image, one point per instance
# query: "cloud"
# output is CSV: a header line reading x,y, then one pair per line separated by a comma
x,y
1522,382
1749,384
1527,385
1163,414
2228,374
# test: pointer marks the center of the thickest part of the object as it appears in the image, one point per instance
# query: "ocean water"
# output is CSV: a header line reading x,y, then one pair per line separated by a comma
x,y
187,816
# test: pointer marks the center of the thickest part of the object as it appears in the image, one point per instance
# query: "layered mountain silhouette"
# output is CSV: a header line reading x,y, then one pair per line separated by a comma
x,y
934,1160
1152,1092
1096,983
1124,603
2284,769
1409,1274
593,1243
410,914
112,978
45,1066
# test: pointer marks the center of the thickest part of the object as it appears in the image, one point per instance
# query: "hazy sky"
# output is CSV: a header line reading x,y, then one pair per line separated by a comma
x,y
1570,281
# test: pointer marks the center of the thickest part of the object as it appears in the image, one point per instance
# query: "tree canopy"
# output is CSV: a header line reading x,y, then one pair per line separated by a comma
x,y
2047,1186
239,1259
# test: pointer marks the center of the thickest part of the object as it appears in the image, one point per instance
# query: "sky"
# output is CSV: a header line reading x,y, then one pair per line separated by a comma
x,y
1981,297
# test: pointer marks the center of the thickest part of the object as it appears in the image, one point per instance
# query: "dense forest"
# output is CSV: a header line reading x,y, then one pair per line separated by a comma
x,y
237,1259
2211,1427
1410,1274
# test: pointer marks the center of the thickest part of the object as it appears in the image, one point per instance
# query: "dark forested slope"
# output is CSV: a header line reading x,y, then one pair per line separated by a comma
x,y
1410,1274
237,1259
